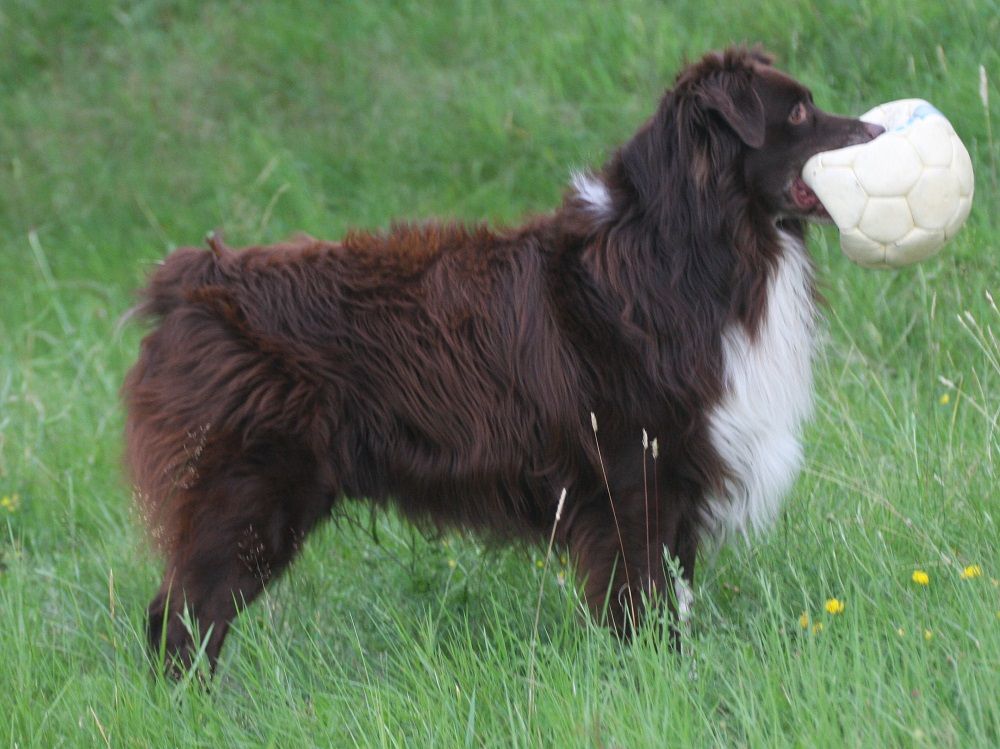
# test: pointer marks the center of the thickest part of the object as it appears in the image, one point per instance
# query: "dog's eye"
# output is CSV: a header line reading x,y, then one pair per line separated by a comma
x,y
798,114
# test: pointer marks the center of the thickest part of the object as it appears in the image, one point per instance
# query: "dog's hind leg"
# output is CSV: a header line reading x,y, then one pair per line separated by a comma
x,y
240,529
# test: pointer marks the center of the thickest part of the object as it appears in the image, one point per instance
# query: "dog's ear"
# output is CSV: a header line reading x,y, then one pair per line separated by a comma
x,y
739,106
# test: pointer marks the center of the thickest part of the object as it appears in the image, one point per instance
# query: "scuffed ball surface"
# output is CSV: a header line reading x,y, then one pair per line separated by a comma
x,y
899,198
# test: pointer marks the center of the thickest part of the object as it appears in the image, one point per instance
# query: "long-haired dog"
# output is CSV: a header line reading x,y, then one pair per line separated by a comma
x,y
453,372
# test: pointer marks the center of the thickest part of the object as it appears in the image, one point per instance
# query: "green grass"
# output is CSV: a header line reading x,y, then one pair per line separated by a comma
x,y
128,128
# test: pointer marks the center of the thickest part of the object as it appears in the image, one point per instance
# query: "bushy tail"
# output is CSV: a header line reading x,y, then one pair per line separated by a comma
x,y
183,271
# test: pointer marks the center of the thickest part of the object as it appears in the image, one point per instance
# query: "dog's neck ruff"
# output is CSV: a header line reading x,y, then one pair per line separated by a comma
x,y
756,428
767,380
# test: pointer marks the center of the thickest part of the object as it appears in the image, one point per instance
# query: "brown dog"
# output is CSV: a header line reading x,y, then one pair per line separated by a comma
x,y
453,371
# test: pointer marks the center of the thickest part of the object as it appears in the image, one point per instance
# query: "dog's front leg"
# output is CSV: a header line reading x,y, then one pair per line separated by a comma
x,y
620,556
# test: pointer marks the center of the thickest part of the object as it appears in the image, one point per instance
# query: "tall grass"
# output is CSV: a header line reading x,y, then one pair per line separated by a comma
x,y
130,127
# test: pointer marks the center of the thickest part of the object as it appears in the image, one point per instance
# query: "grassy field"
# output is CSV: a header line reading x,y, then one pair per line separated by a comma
x,y
128,128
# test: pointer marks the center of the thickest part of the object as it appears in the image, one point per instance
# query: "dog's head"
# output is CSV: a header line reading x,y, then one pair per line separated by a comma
x,y
771,118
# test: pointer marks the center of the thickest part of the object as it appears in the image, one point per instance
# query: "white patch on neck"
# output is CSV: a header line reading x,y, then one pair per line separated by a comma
x,y
593,193
756,427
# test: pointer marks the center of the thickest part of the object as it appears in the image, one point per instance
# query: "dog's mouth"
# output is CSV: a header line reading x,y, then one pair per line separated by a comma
x,y
805,201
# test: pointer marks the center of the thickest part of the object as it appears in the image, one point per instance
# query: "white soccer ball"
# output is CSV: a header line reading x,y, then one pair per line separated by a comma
x,y
898,198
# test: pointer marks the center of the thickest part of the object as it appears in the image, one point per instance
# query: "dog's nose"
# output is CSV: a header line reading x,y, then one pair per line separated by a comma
x,y
873,130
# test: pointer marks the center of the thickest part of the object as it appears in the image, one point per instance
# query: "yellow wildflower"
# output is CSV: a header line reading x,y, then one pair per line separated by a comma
x,y
920,577
944,399
973,570
10,502
834,606
817,628
901,632
539,563
804,620
928,635
452,563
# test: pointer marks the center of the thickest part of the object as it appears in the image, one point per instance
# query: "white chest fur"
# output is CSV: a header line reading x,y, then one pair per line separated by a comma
x,y
756,427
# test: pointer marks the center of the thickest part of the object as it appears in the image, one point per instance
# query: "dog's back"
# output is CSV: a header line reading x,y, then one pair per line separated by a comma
x,y
423,362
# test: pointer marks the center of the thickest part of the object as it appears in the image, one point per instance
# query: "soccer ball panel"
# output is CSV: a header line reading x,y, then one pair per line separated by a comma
x,y
961,165
886,219
894,115
932,140
933,199
889,170
846,198
956,221
862,250
919,244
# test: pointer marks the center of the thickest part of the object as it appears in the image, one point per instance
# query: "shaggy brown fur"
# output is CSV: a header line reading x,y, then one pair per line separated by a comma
x,y
453,371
